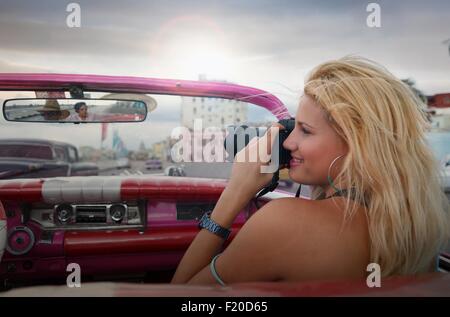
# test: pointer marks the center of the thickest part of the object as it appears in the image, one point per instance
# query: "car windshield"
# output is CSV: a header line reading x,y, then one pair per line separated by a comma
x,y
151,147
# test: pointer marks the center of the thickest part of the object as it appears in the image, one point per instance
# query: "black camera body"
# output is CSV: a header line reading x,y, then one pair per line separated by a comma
x,y
285,155
238,137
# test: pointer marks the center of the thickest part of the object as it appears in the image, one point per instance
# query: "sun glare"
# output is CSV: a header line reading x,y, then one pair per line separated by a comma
x,y
200,56
206,60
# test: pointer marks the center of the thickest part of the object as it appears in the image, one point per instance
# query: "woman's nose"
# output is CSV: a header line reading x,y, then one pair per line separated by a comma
x,y
289,143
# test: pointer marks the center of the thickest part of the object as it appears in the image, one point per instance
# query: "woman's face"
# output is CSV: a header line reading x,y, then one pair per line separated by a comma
x,y
314,145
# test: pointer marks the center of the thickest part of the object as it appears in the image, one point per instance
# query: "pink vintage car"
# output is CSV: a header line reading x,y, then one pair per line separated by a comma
x,y
132,226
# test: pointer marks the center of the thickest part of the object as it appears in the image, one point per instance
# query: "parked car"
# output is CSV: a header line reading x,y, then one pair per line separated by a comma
x,y
32,158
174,171
153,164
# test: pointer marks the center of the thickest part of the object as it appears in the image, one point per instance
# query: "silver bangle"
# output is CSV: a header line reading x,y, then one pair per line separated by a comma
x,y
212,267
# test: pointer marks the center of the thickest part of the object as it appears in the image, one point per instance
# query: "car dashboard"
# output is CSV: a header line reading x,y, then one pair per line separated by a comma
x,y
110,226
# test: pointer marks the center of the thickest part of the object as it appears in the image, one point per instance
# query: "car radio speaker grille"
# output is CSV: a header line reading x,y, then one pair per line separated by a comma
x,y
20,240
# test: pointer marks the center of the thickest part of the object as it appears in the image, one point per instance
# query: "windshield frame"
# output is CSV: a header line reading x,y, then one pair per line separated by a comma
x,y
76,84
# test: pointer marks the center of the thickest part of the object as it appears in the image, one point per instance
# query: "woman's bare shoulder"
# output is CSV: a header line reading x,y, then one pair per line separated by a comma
x,y
315,237
294,239
298,211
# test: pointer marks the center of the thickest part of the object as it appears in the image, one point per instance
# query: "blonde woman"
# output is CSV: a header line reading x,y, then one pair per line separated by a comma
x,y
359,142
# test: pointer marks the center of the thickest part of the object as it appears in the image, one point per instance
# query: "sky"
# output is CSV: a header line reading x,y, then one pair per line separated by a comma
x,y
269,45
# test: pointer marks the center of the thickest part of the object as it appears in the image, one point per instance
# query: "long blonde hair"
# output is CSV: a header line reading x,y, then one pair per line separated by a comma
x,y
389,163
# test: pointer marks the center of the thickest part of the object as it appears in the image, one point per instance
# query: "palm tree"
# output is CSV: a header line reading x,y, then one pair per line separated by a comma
x,y
412,84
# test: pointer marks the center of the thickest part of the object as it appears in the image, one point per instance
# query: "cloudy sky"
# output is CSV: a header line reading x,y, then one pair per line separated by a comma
x,y
265,44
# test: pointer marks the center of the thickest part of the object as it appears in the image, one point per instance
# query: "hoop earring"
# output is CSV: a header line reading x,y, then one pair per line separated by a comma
x,y
330,181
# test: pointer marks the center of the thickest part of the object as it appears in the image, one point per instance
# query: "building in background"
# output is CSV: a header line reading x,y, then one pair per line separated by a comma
x,y
159,149
214,112
162,149
439,101
439,111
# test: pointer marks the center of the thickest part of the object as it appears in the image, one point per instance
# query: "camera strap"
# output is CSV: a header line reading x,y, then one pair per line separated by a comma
x,y
297,194
271,186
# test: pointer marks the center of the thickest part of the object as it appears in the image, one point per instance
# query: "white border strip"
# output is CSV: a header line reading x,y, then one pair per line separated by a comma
x,y
82,189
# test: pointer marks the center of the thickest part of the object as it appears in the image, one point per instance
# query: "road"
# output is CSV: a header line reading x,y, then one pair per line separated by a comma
x,y
136,167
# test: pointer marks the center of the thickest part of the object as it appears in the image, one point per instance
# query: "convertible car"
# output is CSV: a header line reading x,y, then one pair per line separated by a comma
x,y
136,226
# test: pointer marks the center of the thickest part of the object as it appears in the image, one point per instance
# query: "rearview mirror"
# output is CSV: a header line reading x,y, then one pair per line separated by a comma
x,y
74,110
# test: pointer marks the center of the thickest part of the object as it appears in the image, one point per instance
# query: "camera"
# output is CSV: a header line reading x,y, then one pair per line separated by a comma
x,y
239,136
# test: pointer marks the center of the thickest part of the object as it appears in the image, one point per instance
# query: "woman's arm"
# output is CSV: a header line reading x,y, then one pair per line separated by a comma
x,y
206,244
245,181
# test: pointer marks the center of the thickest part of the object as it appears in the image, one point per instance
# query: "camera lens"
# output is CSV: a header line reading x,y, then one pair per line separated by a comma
x,y
239,136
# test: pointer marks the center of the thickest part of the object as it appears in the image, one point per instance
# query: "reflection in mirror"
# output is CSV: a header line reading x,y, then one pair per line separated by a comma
x,y
74,110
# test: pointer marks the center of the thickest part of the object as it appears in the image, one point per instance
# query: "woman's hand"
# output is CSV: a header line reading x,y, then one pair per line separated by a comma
x,y
252,169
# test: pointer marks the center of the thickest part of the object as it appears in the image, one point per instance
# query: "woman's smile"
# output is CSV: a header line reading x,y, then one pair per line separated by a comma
x,y
295,162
